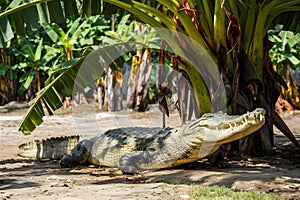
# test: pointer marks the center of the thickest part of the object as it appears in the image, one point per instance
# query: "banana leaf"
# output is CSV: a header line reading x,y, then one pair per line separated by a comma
x,y
75,78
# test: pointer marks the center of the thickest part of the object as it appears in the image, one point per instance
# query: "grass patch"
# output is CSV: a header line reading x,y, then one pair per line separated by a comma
x,y
216,192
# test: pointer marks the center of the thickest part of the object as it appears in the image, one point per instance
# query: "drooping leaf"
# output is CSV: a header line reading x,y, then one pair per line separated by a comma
x,y
43,13
6,32
18,17
75,78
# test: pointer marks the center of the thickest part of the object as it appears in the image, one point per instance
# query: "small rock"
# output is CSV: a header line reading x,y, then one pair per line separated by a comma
x,y
184,196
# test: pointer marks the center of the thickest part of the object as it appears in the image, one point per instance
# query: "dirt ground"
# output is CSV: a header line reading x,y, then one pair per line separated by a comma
x,y
22,178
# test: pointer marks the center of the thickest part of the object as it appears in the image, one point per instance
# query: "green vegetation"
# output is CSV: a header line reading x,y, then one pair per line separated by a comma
x,y
285,56
286,46
32,58
216,192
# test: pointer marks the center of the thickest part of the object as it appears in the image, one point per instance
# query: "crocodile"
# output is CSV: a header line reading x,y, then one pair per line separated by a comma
x,y
137,149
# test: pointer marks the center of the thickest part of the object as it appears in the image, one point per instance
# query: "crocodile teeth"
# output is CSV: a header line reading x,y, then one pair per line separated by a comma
x,y
244,120
260,117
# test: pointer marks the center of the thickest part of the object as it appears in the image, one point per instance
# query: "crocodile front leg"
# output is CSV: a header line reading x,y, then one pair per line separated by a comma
x,y
217,159
129,162
79,154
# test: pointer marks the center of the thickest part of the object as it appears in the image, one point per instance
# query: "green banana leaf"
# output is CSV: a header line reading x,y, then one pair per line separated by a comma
x,y
73,79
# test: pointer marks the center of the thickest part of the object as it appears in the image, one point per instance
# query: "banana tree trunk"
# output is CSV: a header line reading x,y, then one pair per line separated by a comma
x,y
139,80
142,98
133,82
114,91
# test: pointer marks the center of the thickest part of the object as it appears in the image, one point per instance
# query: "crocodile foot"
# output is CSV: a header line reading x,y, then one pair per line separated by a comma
x,y
217,159
79,155
128,163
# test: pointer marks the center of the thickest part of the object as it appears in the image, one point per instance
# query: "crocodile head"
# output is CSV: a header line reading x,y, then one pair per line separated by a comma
x,y
220,128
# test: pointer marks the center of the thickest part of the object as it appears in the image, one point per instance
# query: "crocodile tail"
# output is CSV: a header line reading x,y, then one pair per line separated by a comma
x,y
51,148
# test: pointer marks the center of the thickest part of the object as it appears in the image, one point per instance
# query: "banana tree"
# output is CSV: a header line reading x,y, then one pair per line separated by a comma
x,y
32,62
75,38
75,78
286,47
285,54
8,77
137,83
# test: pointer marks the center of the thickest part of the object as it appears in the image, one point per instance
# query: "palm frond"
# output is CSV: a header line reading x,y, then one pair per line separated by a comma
x,y
75,78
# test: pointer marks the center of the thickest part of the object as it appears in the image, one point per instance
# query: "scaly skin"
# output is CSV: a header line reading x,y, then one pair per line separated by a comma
x,y
136,149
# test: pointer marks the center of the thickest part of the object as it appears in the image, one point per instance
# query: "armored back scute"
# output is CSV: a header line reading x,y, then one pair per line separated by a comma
x,y
50,148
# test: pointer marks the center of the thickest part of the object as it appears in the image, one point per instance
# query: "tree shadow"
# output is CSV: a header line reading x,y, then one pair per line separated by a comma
x,y
202,173
283,165
30,167
8,183
14,172
281,169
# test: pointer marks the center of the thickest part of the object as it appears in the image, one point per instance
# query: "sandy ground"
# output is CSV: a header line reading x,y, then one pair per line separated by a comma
x,y
22,178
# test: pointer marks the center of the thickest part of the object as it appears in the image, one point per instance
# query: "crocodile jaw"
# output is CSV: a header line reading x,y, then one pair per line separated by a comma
x,y
221,128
